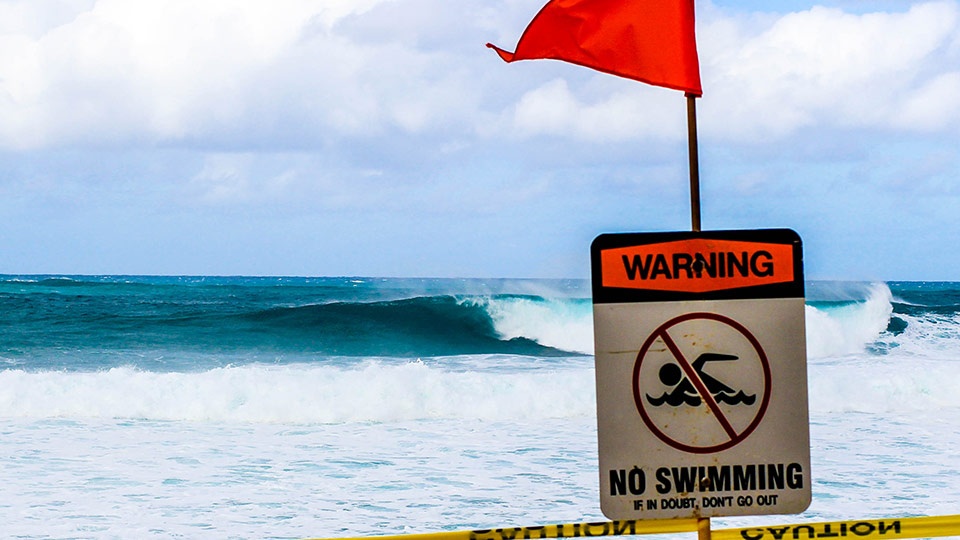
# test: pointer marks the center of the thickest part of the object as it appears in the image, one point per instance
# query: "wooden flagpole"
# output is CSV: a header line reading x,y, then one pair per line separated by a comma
x,y
703,524
694,162
703,529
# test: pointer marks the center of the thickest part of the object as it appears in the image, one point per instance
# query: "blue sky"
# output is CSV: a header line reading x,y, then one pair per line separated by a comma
x,y
381,138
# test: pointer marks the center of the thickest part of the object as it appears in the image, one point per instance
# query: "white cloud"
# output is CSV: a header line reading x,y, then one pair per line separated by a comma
x,y
553,109
236,75
146,70
933,106
35,18
827,68
224,178
770,76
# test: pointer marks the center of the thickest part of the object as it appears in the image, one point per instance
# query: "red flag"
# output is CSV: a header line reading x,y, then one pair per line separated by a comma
x,y
651,41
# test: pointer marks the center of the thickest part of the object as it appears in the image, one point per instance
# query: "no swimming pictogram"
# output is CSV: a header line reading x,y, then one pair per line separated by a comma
x,y
701,382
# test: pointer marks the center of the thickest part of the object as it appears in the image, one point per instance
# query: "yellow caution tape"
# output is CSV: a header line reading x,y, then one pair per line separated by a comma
x,y
866,529
567,530
914,527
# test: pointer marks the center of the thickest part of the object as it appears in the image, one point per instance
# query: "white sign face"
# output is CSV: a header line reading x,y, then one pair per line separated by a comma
x,y
701,374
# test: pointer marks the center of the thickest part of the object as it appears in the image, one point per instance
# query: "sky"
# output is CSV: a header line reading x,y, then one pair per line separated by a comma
x,y
382,138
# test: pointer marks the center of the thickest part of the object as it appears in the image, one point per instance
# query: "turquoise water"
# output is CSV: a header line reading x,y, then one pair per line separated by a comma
x,y
233,407
183,323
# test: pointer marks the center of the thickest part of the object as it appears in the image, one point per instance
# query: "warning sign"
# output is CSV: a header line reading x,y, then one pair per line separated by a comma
x,y
701,374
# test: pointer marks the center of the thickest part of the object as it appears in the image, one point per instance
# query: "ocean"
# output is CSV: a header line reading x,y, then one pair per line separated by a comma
x,y
253,407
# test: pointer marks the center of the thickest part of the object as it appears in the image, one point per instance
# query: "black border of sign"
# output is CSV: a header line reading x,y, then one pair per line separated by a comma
x,y
613,295
767,383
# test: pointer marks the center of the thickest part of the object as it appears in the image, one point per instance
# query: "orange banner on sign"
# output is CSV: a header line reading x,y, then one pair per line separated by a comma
x,y
697,265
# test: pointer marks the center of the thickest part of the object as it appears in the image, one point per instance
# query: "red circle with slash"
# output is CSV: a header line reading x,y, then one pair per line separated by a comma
x,y
734,436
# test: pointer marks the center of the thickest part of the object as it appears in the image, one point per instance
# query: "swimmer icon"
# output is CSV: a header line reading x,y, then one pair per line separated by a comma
x,y
684,392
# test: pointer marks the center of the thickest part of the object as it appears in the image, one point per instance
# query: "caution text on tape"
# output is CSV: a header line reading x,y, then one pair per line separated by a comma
x,y
865,529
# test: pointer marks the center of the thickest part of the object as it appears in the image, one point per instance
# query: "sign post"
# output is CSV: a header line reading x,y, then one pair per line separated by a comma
x,y
701,374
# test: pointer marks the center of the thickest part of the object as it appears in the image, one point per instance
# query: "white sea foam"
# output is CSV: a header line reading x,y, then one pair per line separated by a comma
x,y
849,328
108,479
301,394
891,384
565,325
928,336
846,329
